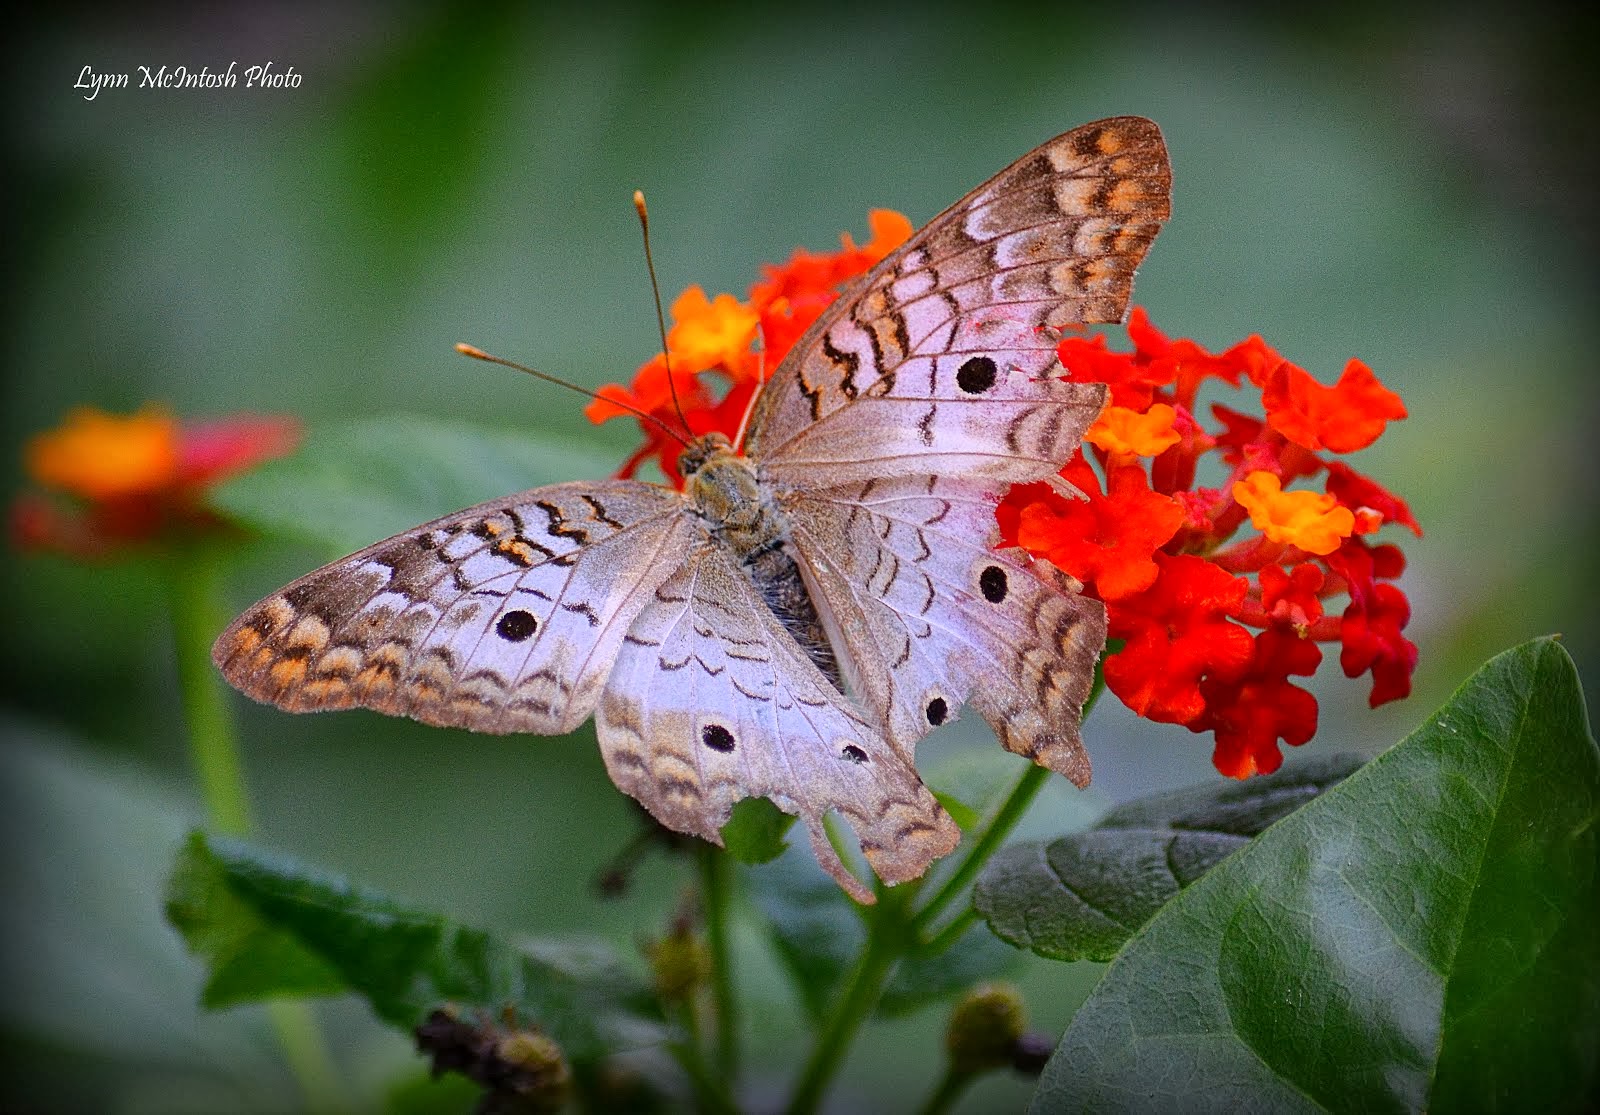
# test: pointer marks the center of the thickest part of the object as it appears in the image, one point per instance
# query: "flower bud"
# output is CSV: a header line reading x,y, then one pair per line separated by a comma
x,y
984,1028
680,963
536,1073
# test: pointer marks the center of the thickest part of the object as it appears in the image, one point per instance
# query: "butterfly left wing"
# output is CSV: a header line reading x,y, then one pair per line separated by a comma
x,y
934,617
711,701
501,618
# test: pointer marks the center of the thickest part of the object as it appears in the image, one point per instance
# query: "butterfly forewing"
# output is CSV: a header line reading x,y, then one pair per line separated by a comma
x,y
502,618
943,358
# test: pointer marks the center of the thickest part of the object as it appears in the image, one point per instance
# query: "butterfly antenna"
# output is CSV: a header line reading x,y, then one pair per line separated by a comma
x,y
655,293
761,383
478,354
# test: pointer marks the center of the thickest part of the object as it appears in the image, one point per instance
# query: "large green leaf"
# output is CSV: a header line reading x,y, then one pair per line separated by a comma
x,y
363,481
1081,896
269,927
1424,936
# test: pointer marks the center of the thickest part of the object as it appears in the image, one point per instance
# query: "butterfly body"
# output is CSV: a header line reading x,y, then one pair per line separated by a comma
x,y
802,614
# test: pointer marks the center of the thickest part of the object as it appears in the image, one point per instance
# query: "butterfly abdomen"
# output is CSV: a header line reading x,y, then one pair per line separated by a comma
x,y
777,578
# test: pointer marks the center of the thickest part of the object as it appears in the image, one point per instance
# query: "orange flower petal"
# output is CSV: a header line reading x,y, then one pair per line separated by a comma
x,y
709,332
1123,431
1313,521
1350,415
101,456
889,231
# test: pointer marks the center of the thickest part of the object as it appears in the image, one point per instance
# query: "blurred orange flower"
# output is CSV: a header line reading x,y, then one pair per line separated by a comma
x,y
111,481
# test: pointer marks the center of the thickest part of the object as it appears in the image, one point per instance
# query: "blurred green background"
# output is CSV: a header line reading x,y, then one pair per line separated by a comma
x,y
1405,186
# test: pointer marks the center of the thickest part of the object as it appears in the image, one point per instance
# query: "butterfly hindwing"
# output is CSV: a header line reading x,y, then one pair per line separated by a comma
x,y
934,617
712,701
502,618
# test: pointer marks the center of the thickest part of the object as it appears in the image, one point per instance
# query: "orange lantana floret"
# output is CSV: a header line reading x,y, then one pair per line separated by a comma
x,y
1125,432
889,231
1313,521
105,481
1348,416
709,332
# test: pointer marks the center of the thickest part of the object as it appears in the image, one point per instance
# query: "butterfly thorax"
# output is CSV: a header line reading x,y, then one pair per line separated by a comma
x,y
727,493
747,521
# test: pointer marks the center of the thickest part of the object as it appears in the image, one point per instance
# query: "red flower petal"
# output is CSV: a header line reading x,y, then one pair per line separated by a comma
x,y
1343,418
1176,633
210,452
1249,715
1355,491
1106,540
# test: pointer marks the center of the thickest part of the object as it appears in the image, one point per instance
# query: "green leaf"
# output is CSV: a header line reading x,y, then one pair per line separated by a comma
x,y
355,484
269,927
1422,937
755,831
816,930
1081,896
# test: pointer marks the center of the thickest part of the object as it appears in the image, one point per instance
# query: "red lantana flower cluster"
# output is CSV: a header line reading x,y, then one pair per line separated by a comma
x,y
1217,596
107,482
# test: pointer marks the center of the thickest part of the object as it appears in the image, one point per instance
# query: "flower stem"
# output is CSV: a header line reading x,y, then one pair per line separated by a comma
x,y
951,1085
990,837
994,832
886,941
197,615
709,1093
714,899
955,929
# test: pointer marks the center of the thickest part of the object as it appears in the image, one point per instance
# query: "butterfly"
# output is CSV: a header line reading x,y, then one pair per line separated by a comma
x,y
802,613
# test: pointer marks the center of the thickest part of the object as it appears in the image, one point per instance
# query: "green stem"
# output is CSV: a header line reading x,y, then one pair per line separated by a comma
x,y
990,838
951,933
715,899
995,831
886,939
951,1085
197,615
710,1092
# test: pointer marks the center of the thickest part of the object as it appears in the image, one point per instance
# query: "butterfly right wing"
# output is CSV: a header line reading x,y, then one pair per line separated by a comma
x,y
502,618
942,359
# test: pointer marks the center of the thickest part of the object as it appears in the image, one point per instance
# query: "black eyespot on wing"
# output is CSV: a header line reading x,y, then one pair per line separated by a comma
x,y
516,626
718,738
977,375
937,711
852,753
992,582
